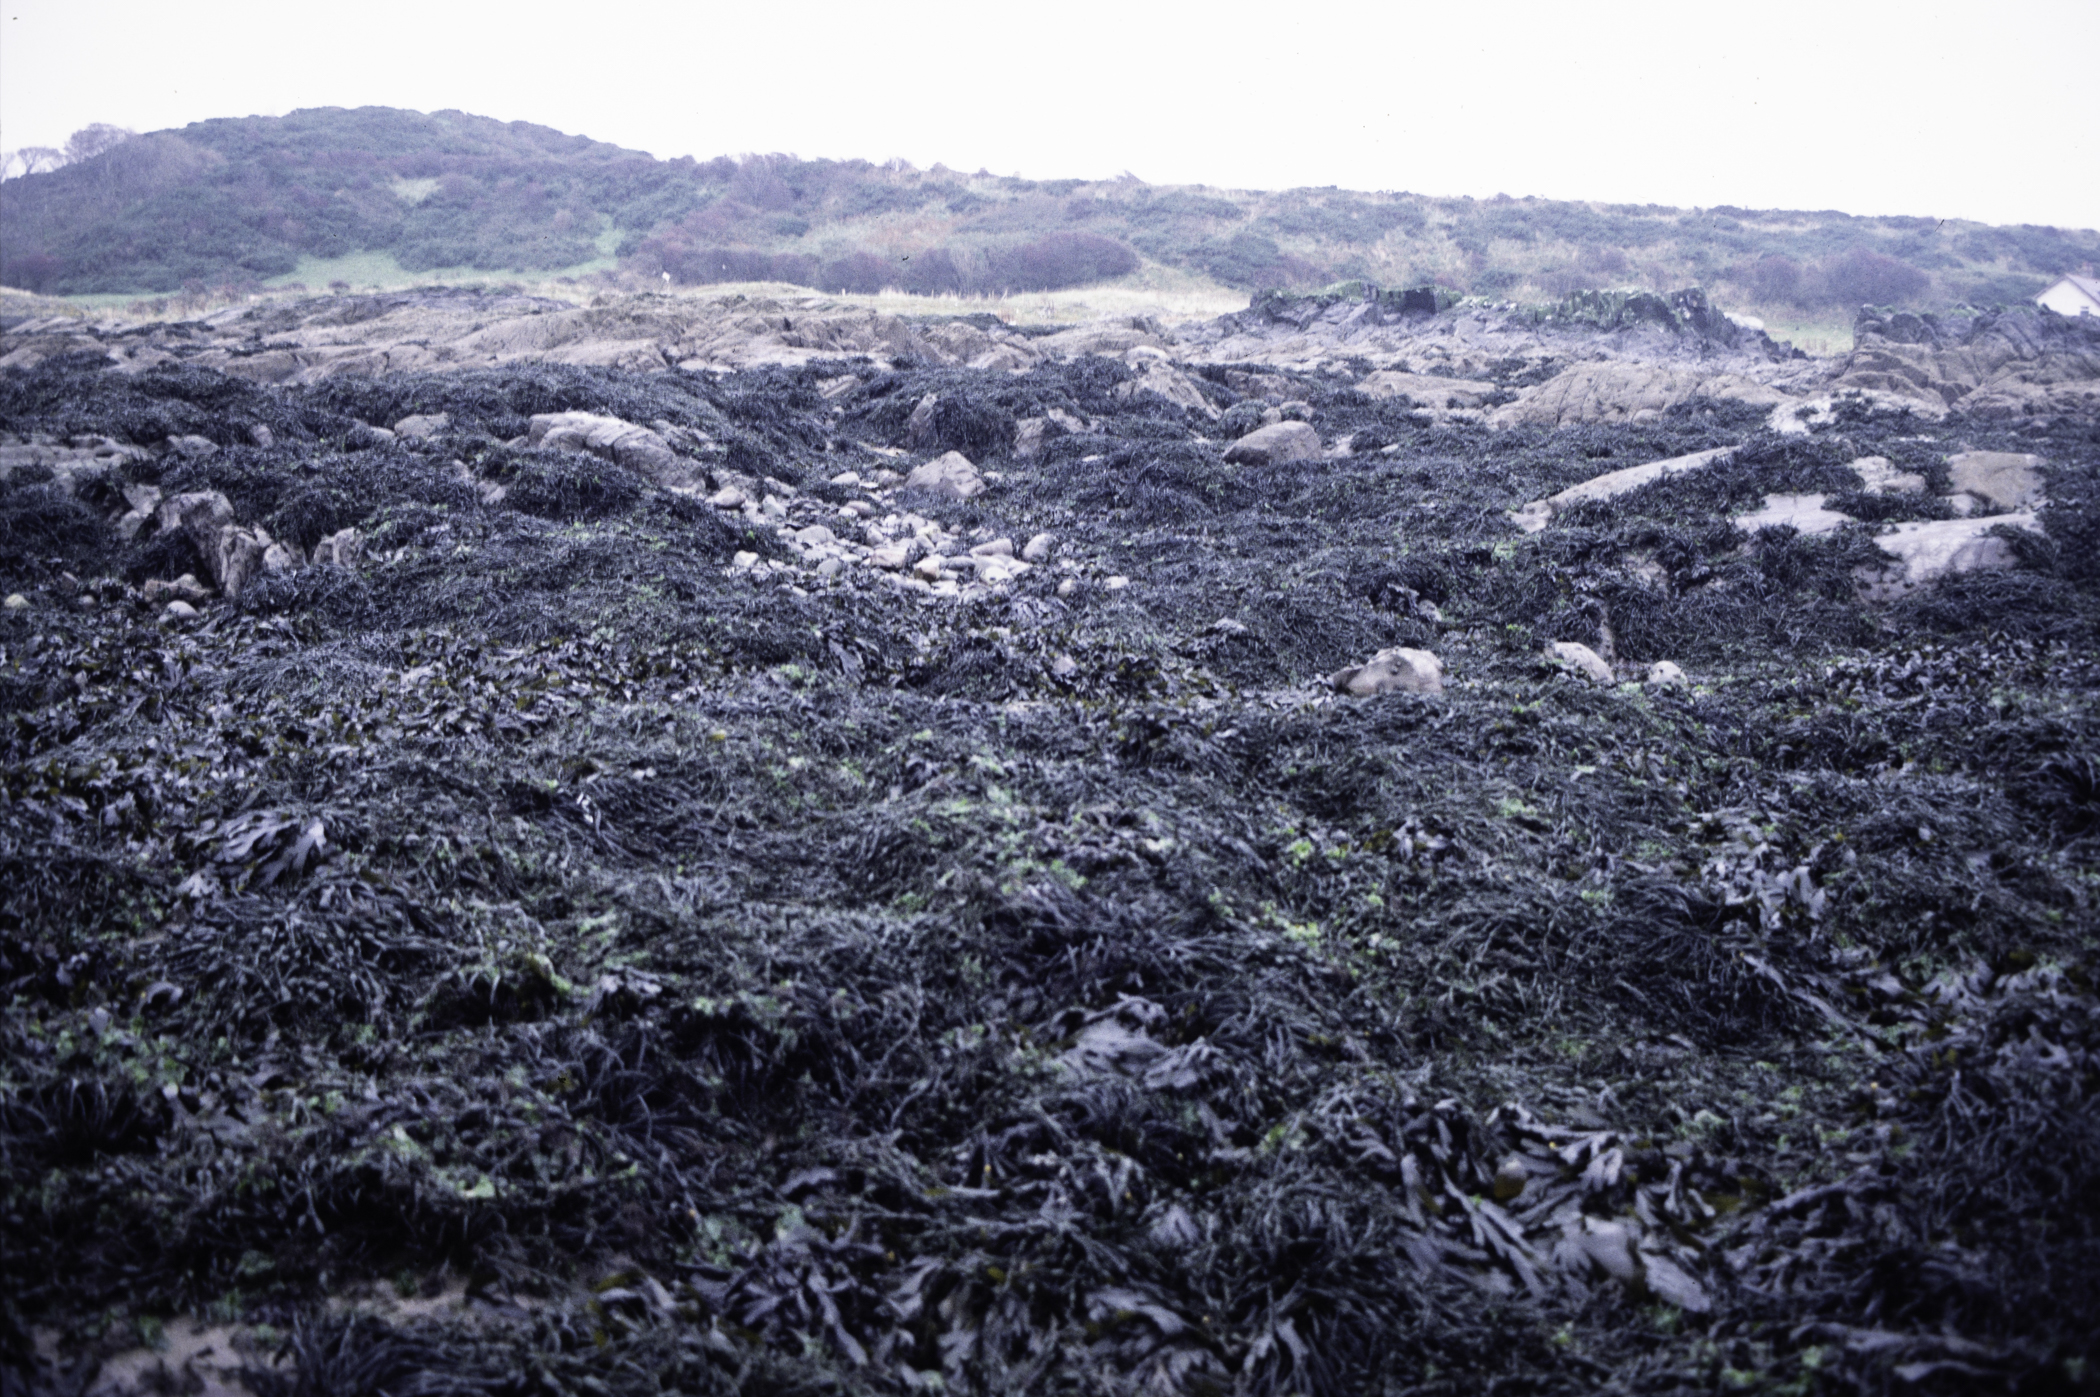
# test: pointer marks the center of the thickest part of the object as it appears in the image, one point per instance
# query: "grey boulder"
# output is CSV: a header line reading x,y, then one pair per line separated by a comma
x,y
1398,670
1582,660
1277,442
422,425
951,475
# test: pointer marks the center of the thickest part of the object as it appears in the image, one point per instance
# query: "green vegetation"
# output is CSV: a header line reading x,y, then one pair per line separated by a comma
x,y
240,202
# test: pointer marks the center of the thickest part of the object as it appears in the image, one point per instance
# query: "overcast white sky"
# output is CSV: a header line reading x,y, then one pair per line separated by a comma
x,y
1981,109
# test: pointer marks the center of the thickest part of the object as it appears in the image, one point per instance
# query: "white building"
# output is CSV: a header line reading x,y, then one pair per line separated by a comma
x,y
2074,295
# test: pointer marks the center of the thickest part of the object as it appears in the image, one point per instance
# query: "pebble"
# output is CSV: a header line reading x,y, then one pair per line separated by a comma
x,y
180,610
1510,1179
17,602
1116,583
1037,549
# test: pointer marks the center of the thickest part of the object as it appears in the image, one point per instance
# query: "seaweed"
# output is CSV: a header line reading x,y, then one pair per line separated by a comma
x,y
553,953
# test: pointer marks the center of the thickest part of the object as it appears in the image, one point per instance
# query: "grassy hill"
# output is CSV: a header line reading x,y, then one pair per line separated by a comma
x,y
248,201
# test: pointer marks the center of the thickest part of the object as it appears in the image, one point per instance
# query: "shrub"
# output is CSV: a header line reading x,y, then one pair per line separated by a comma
x,y
1065,258
1864,277
1772,277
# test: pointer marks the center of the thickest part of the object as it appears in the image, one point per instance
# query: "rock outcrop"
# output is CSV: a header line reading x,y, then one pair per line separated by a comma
x,y
2001,479
638,449
1928,550
1624,391
2024,362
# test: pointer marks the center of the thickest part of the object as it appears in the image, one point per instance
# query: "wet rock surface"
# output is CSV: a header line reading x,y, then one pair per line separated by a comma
x,y
723,915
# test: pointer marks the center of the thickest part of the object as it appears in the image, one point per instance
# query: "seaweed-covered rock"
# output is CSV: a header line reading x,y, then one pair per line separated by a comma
x,y
1536,515
1425,390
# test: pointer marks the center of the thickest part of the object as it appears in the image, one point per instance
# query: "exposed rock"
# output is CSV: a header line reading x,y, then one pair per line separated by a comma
x,y
2006,479
145,504
1799,416
280,557
950,475
1037,549
1927,551
1425,390
72,463
1664,674
2019,362
194,447
1105,337
340,549
1580,658
1879,476
1158,376
1536,515
423,425
201,514
1277,442
262,436
1621,390
179,611
237,557
918,428
1801,513
1398,670
17,602
637,448
997,548
728,497
184,588
1029,435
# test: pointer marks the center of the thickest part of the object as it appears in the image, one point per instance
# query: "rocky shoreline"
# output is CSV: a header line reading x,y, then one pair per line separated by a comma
x,y
1362,846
